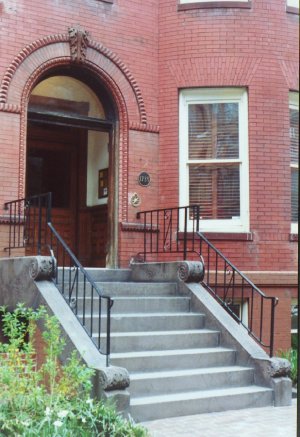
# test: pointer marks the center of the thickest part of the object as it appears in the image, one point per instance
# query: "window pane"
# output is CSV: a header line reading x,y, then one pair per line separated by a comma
x,y
294,135
214,131
216,189
295,180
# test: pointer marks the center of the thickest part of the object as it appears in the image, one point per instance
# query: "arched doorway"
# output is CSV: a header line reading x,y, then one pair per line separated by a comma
x,y
70,152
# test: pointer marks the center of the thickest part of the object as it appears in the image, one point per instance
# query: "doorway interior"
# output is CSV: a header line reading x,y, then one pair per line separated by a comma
x,y
70,153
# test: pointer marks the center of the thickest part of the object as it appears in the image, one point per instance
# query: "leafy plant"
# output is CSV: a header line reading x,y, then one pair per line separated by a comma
x,y
53,399
292,356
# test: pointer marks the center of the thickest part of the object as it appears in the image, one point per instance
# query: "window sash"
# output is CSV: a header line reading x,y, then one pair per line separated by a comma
x,y
213,131
217,189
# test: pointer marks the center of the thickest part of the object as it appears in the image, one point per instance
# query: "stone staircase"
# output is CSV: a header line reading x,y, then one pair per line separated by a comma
x,y
177,366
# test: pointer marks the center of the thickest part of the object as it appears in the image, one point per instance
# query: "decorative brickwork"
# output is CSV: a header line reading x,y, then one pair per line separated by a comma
x,y
25,53
79,40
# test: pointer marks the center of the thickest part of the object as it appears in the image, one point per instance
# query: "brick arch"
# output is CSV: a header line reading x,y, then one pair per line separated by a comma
x,y
123,124
57,46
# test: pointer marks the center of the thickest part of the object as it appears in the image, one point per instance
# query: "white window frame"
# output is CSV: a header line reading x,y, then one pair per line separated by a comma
x,y
182,2
292,3
215,95
294,104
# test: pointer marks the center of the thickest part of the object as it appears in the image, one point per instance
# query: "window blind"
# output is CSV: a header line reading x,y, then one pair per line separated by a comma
x,y
214,131
294,135
216,189
295,182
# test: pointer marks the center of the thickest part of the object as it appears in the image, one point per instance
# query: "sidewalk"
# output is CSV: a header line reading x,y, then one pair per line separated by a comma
x,y
254,422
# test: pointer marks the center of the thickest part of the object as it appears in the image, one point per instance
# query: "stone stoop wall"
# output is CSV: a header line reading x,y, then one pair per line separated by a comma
x,y
271,372
28,280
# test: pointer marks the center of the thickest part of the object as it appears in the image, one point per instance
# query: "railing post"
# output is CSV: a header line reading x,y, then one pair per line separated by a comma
x,y
39,242
48,219
109,305
185,233
274,300
49,206
197,217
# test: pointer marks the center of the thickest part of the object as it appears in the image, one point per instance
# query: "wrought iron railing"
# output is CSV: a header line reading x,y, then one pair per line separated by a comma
x,y
244,301
166,231
31,229
175,232
28,226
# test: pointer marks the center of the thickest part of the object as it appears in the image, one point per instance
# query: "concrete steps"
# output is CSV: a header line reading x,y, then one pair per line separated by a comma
x,y
174,359
137,304
162,340
150,321
177,366
139,289
176,381
199,401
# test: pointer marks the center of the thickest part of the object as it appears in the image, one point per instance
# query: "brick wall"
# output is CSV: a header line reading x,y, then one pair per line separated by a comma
x,y
254,48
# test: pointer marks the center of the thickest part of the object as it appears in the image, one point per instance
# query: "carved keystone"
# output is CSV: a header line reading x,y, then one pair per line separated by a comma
x,y
42,268
191,271
114,378
79,39
279,367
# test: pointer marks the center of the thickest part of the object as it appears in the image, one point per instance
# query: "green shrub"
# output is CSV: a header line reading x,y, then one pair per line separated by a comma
x,y
53,399
292,356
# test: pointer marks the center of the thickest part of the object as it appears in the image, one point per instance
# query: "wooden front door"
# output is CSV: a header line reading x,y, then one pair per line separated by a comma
x,y
57,163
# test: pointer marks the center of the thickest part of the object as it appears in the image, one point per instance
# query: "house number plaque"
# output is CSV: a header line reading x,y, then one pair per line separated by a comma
x,y
144,179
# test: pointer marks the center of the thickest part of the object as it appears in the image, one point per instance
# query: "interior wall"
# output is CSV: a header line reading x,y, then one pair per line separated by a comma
x,y
97,159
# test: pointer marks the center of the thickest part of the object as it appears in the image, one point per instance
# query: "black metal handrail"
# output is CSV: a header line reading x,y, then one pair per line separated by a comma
x,y
31,229
229,286
168,231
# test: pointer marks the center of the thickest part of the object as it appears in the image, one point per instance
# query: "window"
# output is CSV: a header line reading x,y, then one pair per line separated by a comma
x,y
240,309
191,4
294,150
294,323
214,157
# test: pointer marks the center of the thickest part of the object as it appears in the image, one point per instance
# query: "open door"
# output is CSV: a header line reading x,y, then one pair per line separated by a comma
x,y
69,154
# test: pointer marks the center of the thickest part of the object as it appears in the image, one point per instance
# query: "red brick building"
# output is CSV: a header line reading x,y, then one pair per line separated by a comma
x,y
93,93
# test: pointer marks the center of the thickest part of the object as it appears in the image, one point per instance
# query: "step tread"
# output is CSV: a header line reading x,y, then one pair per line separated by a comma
x,y
148,315
129,283
141,298
159,333
200,394
186,372
170,352
150,297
